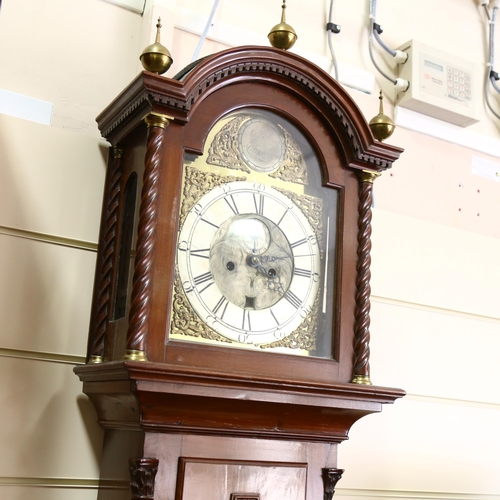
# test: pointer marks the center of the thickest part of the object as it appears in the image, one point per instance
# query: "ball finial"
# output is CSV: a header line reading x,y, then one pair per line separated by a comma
x,y
282,36
155,57
381,125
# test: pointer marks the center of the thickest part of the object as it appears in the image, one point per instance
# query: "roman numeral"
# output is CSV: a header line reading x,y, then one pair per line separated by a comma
x,y
221,305
200,252
293,299
232,204
211,223
204,278
305,273
259,205
282,217
246,320
298,243
274,317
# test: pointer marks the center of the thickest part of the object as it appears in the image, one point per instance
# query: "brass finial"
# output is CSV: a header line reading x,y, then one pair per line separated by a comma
x,y
156,57
382,126
282,36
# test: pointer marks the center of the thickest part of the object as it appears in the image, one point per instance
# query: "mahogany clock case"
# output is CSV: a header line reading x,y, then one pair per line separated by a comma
x,y
239,78
203,401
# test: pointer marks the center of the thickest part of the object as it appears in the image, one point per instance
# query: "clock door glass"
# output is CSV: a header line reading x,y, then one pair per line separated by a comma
x,y
256,246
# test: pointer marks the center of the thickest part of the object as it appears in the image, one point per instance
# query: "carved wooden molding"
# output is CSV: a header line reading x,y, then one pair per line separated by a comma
x,y
142,477
127,113
330,479
278,69
150,92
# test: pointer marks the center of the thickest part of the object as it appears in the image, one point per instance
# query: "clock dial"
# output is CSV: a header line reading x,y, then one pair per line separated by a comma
x,y
256,248
249,262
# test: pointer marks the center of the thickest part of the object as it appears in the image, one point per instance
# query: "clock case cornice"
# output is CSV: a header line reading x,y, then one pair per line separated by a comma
x,y
167,398
178,98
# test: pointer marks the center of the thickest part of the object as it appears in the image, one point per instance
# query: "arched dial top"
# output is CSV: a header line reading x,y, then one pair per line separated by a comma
x,y
256,246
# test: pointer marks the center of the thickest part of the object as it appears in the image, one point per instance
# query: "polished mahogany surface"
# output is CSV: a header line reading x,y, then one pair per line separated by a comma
x,y
256,410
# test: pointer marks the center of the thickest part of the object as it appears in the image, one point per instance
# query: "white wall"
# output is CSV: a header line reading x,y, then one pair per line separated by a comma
x,y
436,280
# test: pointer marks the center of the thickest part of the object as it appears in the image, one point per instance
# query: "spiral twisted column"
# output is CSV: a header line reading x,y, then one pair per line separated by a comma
x,y
104,287
146,238
361,370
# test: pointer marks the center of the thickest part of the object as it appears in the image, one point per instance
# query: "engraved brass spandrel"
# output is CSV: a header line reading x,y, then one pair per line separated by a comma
x,y
228,146
293,168
224,150
198,183
304,336
311,207
185,322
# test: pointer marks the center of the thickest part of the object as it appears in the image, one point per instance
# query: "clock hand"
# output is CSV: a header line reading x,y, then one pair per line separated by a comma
x,y
273,280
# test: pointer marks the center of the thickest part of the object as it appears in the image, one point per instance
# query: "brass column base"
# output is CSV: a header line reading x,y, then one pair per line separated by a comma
x,y
133,355
361,379
95,360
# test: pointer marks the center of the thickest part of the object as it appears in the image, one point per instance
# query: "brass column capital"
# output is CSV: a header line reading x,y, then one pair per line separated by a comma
x,y
368,176
158,120
117,152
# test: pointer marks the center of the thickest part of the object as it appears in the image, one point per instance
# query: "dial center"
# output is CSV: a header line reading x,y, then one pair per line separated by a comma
x,y
251,261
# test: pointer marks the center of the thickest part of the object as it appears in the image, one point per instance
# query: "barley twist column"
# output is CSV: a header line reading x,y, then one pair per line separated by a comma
x,y
146,238
361,370
108,242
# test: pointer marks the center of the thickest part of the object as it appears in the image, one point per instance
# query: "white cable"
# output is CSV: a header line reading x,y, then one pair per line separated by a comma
x,y
491,57
377,67
376,34
492,37
495,84
399,83
330,42
205,31
486,10
486,94
491,63
373,8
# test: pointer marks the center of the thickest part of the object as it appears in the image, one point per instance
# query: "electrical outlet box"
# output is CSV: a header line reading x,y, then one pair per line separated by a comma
x,y
441,85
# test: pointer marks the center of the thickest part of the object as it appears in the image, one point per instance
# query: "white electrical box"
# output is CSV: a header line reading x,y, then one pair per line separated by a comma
x,y
441,85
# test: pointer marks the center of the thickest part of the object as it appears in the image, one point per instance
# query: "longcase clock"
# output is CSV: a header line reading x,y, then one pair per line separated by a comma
x,y
229,339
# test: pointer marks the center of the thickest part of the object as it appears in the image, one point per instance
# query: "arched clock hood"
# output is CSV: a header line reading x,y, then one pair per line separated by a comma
x,y
259,65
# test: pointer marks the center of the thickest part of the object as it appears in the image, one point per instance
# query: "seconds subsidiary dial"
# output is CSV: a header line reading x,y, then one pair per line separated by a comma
x,y
249,262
